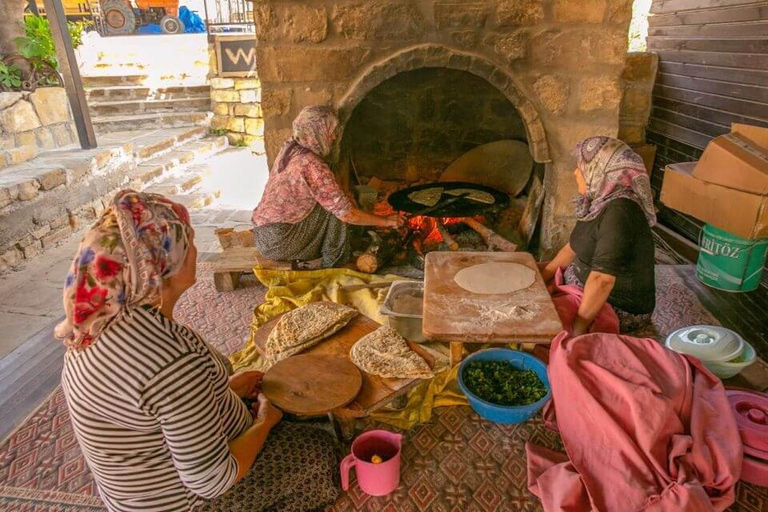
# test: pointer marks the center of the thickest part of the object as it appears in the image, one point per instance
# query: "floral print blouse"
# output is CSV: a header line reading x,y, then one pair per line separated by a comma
x,y
292,194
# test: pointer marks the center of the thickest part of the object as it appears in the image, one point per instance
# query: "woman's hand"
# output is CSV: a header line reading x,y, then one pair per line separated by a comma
x,y
246,384
393,221
266,413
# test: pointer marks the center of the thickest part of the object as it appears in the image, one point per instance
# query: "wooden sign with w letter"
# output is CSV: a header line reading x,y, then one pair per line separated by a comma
x,y
236,56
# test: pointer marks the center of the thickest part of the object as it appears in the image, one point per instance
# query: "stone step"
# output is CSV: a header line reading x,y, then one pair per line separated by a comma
x,y
110,80
106,124
132,107
197,200
136,92
183,182
152,170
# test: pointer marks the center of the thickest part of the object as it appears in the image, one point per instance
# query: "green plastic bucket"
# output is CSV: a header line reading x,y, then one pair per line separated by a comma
x,y
728,262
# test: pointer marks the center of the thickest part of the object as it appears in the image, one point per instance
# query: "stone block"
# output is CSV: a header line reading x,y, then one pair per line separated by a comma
x,y
9,98
247,83
61,134
250,96
45,139
11,257
41,232
599,93
51,104
7,141
21,154
219,123
236,124
220,109
273,140
254,126
56,236
378,19
465,38
306,96
640,67
460,13
632,134
26,241
51,178
26,138
276,102
512,46
248,110
636,103
619,11
300,64
222,83
295,22
553,92
32,250
235,139
582,11
20,117
574,48
519,12
225,96
59,221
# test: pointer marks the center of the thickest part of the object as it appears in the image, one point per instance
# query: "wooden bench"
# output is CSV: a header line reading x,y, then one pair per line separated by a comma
x,y
229,266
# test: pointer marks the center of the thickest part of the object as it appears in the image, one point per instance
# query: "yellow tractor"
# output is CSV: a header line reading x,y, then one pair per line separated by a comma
x,y
122,17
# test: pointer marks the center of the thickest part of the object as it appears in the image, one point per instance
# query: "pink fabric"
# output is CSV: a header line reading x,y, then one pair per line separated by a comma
x,y
291,194
567,298
644,428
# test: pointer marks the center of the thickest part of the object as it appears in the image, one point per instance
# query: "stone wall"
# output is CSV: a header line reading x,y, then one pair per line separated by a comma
x,y
558,61
31,122
412,126
638,79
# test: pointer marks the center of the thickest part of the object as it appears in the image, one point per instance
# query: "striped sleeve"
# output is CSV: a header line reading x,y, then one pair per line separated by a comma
x,y
182,397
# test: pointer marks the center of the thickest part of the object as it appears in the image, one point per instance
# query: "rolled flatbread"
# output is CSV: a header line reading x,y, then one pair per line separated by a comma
x,y
427,197
490,278
480,196
305,327
385,353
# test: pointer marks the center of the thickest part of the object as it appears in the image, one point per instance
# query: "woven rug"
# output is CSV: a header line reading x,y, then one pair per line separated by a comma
x,y
456,462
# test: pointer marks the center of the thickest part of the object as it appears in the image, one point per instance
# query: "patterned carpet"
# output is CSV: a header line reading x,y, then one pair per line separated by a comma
x,y
456,462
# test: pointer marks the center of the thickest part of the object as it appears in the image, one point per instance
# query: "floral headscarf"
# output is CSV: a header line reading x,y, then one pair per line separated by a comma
x,y
612,171
313,130
140,240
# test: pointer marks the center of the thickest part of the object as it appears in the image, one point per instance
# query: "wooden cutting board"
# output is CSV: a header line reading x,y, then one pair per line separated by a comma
x,y
312,384
375,391
452,313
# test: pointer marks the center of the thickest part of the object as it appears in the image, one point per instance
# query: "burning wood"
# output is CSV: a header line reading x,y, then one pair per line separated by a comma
x,y
493,239
449,241
379,253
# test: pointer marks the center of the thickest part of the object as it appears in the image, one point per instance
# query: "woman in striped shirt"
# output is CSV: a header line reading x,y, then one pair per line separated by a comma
x,y
161,425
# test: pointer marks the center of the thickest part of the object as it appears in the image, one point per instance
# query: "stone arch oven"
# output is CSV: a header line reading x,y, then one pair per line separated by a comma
x,y
419,82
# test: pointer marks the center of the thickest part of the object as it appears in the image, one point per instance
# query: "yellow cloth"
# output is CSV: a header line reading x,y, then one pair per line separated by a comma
x,y
291,289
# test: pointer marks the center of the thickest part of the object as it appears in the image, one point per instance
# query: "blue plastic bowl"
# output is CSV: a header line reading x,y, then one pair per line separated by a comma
x,y
507,414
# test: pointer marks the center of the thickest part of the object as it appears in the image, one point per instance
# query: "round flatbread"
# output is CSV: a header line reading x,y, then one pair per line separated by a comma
x,y
494,278
480,196
427,196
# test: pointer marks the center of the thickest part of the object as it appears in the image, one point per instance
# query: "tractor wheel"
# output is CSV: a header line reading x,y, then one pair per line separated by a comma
x,y
172,25
119,18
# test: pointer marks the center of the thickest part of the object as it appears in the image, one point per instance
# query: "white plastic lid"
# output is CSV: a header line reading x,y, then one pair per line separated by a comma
x,y
708,343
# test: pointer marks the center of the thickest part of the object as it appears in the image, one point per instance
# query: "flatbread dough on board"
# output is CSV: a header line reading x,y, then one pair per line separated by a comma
x,y
427,197
492,278
475,195
305,327
385,353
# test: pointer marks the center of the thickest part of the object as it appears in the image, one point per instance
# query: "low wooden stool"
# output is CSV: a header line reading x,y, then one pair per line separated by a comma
x,y
229,266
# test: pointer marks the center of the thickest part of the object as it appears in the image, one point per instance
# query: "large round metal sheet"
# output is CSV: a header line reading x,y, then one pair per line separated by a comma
x,y
504,165
311,385
461,207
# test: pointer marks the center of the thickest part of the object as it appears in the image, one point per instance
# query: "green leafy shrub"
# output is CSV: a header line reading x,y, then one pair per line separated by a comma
x,y
10,76
37,44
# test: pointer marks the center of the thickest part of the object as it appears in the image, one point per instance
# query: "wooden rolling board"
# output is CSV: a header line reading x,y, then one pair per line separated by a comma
x,y
376,391
452,313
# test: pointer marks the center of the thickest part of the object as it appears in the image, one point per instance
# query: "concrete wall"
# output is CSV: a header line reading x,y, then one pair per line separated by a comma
x,y
558,61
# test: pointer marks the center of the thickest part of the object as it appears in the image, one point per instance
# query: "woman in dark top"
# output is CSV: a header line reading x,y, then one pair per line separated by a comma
x,y
610,254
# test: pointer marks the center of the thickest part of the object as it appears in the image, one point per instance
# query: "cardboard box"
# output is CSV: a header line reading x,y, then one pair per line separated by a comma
x,y
737,160
742,213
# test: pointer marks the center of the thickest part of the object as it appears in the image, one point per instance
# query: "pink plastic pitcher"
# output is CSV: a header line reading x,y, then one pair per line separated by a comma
x,y
374,479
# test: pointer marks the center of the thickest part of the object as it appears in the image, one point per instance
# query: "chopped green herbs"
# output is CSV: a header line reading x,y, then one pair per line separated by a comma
x,y
500,383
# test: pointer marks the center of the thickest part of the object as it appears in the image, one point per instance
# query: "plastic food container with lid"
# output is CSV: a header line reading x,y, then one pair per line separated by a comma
x,y
722,351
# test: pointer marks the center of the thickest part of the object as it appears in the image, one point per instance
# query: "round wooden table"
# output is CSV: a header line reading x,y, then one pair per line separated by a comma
x,y
312,385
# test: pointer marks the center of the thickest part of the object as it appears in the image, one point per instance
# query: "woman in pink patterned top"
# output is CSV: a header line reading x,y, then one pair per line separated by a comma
x,y
304,213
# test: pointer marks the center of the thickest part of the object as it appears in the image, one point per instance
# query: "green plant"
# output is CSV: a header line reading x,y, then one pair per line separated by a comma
x,y
218,131
37,44
500,383
10,76
239,143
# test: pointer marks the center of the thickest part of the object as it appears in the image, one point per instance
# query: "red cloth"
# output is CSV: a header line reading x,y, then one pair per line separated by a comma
x,y
567,298
644,428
